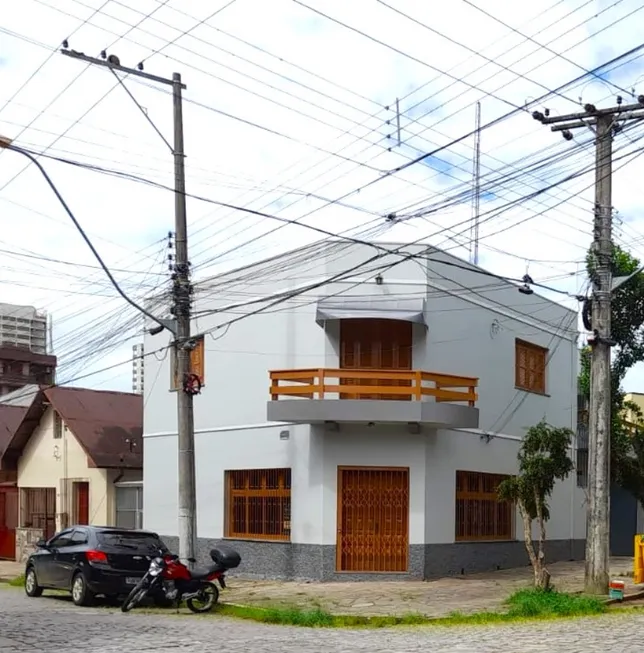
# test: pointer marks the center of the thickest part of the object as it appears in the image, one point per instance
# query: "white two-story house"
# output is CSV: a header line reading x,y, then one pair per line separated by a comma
x,y
359,409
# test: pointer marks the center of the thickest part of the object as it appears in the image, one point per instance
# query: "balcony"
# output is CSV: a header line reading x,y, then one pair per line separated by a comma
x,y
315,396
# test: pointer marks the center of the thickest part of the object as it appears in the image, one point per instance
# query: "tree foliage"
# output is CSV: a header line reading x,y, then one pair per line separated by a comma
x,y
543,460
627,330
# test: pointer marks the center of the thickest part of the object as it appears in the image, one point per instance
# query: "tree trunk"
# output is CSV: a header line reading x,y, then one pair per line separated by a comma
x,y
527,540
543,581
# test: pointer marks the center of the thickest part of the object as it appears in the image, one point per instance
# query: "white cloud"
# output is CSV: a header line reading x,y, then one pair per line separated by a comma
x,y
283,109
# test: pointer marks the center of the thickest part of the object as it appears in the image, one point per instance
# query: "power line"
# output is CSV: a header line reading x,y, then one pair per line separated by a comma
x,y
7,145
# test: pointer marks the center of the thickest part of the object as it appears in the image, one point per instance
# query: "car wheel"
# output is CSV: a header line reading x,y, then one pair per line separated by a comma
x,y
31,584
81,594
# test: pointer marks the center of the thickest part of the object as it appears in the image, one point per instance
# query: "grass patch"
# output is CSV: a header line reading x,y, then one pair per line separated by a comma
x,y
530,603
316,617
522,605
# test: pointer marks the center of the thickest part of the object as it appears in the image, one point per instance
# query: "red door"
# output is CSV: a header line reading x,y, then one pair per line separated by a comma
x,y
376,345
8,522
81,503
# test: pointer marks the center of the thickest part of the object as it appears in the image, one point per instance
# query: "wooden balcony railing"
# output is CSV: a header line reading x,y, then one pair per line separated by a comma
x,y
400,385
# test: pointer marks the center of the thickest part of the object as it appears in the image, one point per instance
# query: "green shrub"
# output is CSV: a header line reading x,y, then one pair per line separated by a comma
x,y
549,603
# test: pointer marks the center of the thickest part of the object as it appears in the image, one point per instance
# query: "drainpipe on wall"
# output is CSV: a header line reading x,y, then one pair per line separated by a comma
x,y
117,478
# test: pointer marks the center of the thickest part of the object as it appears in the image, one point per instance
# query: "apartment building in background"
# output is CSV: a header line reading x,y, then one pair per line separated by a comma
x,y
24,348
138,368
361,424
24,327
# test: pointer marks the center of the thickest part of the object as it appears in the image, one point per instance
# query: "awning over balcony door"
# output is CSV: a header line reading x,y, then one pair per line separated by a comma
x,y
377,307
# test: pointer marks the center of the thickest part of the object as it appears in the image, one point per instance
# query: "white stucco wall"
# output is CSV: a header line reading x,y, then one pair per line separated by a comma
x,y
229,449
471,332
314,457
449,451
374,447
46,462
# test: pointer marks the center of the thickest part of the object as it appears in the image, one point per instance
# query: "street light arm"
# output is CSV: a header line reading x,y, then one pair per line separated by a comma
x,y
620,281
8,145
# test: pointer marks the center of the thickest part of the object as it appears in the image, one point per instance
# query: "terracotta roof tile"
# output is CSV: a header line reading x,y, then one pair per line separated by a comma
x,y
103,423
10,419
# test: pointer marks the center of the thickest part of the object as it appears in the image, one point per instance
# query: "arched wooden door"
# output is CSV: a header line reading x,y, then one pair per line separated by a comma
x,y
8,522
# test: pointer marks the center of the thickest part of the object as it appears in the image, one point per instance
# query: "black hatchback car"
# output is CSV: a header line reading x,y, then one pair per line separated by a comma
x,y
91,560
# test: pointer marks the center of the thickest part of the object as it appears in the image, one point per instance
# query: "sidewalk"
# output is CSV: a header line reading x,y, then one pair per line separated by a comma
x,y
465,594
9,570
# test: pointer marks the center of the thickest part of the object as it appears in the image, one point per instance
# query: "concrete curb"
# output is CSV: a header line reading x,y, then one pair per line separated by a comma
x,y
628,597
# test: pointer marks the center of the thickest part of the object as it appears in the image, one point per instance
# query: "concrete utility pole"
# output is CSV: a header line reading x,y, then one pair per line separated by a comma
x,y
182,291
604,123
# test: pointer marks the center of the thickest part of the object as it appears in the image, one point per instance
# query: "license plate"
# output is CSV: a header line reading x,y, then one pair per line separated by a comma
x,y
131,581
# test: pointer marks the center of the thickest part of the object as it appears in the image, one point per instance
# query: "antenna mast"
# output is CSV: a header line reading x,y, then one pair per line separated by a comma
x,y
476,194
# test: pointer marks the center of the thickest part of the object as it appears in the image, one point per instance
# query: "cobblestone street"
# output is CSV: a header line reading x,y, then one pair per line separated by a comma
x,y
55,625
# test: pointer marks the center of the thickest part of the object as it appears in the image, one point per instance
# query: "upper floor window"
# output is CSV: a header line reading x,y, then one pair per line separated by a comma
x,y
530,366
58,426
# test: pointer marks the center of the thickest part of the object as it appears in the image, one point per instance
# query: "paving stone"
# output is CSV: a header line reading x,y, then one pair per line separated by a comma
x,y
435,598
52,624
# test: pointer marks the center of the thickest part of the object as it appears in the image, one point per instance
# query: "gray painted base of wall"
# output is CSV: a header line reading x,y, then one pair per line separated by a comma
x,y
290,561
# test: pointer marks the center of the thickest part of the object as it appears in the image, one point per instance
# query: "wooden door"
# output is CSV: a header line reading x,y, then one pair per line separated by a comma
x,y
81,503
376,345
8,522
373,519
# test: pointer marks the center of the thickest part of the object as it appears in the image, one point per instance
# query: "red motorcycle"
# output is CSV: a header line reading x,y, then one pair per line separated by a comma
x,y
168,580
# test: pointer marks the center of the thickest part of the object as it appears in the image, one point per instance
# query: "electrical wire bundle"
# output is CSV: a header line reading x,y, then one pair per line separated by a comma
x,y
538,185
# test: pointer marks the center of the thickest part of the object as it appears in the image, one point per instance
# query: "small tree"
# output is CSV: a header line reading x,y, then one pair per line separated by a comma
x,y
543,460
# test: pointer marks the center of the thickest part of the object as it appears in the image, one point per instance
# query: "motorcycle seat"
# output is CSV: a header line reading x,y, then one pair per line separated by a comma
x,y
201,573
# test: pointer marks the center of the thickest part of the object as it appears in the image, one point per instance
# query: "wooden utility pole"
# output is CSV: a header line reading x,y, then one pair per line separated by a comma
x,y
604,123
180,326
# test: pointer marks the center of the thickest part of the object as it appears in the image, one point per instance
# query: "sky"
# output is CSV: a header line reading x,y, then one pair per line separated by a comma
x,y
309,112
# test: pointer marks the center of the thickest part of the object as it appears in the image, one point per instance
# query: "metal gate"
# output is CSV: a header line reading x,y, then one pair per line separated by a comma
x,y
623,521
8,522
38,509
373,519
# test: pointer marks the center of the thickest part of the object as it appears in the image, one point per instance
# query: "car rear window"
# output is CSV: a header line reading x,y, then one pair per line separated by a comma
x,y
144,542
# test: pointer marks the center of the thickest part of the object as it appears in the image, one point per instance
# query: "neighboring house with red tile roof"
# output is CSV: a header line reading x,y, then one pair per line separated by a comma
x,y
76,456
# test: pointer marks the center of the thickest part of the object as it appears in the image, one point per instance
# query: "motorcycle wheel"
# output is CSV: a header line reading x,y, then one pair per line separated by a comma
x,y
208,596
134,597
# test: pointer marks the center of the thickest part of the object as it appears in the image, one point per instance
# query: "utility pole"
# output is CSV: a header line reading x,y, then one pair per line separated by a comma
x,y
605,124
182,291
